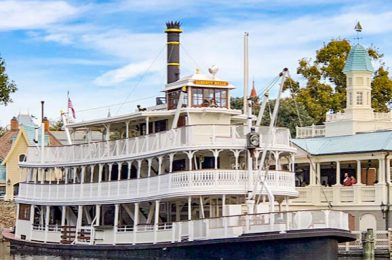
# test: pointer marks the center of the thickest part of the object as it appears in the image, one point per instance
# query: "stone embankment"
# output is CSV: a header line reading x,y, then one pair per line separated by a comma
x,y
7,215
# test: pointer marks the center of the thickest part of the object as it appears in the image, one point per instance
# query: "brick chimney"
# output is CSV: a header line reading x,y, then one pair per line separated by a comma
x,y
14,124
46,123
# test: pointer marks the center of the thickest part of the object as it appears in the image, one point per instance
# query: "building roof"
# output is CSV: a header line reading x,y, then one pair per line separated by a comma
x,y
358,60
6,143
358,143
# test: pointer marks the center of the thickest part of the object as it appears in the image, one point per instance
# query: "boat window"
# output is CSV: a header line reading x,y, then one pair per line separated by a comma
x,y
173,97
160,126
209,97
24,212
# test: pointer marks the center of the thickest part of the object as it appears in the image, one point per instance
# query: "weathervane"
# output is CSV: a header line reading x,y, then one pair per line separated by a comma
x,y
358,29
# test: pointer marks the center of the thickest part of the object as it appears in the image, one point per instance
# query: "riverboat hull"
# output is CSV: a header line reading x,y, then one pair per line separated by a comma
x,y
299,244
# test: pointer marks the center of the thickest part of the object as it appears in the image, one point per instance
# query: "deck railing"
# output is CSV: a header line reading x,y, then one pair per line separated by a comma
x,y
162,186
191,136
217,228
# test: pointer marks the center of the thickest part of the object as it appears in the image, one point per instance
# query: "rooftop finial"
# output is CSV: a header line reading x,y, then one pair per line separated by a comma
x,y
358,29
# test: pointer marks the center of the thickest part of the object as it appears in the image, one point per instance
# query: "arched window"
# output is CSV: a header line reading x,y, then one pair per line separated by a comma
x,y
22,158
367,221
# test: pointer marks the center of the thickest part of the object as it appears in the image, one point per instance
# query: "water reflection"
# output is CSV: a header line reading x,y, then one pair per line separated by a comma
x,y
6,255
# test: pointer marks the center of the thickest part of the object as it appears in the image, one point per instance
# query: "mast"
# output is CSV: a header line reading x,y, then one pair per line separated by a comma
x,y
246,72
42,132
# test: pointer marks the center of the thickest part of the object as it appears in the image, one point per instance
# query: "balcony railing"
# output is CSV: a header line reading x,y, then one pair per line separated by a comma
x,y
218,228
338,195
191,136
162,186
310,131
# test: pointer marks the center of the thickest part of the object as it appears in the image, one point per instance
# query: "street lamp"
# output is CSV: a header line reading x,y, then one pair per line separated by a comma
x,y
384,209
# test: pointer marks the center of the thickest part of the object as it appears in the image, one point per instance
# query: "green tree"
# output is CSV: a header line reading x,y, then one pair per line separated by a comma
x,y
381,90
56,126
325,83
7,86
291,113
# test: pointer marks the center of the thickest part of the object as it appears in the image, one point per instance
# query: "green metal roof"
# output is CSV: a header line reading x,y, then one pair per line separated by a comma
x,y
358,143
358,60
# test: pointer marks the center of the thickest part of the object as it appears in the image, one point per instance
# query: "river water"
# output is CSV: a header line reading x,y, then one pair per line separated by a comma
x,y
6,255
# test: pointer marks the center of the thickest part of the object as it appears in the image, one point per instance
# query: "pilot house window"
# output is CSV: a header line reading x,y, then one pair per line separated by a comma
x,y
209,97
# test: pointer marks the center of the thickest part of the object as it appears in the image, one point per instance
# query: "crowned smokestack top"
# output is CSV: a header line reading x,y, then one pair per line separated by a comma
x,y
173,30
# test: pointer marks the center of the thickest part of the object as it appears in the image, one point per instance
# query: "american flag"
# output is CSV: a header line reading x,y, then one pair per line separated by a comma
x,y
70,106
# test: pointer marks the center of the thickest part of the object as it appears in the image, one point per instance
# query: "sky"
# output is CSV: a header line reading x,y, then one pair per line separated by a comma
x,y
111,55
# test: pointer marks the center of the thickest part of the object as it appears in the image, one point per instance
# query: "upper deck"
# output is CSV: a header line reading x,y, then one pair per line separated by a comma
x,y
176,140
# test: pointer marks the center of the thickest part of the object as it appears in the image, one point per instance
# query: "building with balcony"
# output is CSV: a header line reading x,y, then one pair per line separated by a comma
x,y
356,144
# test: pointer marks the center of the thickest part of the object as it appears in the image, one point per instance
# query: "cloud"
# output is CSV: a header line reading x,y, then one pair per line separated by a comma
x,y
18,15
130,71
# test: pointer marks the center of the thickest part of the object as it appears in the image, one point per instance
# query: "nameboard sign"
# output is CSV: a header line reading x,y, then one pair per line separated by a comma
x,y
211,82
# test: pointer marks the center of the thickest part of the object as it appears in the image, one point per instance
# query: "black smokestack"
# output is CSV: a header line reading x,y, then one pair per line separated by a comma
x,y
173,31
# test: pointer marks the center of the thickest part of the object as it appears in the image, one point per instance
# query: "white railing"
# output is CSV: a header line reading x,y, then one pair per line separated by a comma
x,y
381,241
180,138
163,186
226,227
337,195
335,117
382,116
310,131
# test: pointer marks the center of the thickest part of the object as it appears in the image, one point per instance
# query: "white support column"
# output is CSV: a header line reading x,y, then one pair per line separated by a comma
x,y
63,215
98,215
160,158
116,210
156,221
66,175
381,171
129,169
79,219
110,171
338,174
312,173
149,165
32,207
359,181
82,173
190,226
139,167
189,208
190,157
119,171
135,222
318,171
92,173
100,172
216,156
171,159
147,125
277,165
47,215
236,154
74,171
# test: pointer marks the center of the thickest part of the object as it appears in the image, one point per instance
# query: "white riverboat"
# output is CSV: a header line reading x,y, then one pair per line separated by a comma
x,y
172,180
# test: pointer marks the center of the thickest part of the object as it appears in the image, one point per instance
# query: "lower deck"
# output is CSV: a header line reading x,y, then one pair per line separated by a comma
x,y
305,240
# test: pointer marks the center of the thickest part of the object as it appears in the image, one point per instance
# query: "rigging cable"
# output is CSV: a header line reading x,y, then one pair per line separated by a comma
x,y
142,77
